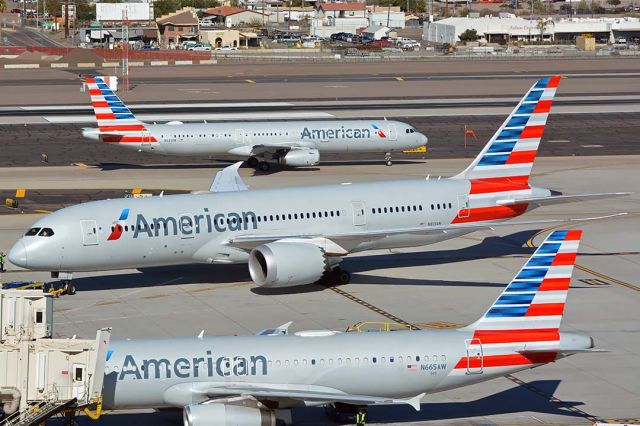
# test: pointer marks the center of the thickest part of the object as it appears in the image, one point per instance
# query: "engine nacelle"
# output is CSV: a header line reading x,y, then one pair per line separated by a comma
x,y
226,415
301,157
286,264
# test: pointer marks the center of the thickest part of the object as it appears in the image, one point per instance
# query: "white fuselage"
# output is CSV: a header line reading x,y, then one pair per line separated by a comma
x,y
245,139
191,228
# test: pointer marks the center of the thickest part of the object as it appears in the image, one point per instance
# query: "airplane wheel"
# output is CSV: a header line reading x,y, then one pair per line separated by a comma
x,y
264,166
341,276
69,288
389,163
253,162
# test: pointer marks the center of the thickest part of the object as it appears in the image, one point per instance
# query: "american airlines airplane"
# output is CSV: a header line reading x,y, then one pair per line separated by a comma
x,y
291,143
298,235
240,380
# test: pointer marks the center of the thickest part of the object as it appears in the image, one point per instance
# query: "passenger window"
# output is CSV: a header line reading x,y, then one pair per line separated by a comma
x,y
373,359
31,232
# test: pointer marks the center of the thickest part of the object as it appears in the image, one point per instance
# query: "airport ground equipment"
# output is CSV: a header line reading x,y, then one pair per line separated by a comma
x,y
41,376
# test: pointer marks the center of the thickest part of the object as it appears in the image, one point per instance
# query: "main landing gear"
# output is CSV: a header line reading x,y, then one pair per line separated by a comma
x,y
336,276
68,287
340,413
387,159
254,163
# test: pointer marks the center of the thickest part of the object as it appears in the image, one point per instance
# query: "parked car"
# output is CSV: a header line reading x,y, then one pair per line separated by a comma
x,y
312,38
149,47
342,36
381,43
226,48
200,48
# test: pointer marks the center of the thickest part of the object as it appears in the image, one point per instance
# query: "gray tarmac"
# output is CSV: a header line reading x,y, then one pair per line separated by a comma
x,y
444,284
565,135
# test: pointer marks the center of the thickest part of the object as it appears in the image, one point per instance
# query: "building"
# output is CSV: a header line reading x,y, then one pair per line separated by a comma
x,y
375,32
331,18
229,16
229,37
508,27
387,16
181,25
333,11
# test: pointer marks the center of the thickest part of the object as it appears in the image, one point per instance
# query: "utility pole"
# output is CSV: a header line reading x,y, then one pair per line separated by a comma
x,y
66,19
125,48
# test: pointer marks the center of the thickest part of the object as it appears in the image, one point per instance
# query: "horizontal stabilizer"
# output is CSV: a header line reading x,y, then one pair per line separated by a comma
x,y
558,199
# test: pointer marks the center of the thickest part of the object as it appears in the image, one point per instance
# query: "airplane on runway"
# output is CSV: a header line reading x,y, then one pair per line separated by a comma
x,y
240,380
292,143
299,235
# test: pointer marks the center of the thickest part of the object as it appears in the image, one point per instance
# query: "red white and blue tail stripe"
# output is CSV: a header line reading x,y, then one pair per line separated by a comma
x,y
508,157
521,328
531,307
116,123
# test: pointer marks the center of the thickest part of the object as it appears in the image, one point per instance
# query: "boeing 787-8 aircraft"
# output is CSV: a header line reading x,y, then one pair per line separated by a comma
x,y
291,143
297,235
240,380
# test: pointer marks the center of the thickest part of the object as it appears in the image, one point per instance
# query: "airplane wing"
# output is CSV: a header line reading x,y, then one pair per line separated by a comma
x,y
337,239
228,180
557,199
275,392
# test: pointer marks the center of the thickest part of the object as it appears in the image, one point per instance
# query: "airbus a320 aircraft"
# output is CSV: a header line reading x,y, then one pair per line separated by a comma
x,y
291,143
239,380
297,235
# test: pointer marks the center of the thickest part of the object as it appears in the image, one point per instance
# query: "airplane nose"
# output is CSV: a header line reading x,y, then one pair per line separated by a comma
x,y
424,139
18,255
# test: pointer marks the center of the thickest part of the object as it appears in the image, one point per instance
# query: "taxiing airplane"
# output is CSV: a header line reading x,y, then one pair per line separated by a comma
x,y
291,143
240,380
297,235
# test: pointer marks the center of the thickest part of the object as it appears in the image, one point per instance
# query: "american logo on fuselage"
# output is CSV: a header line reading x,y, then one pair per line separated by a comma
x,y
337,133
185,367
186,224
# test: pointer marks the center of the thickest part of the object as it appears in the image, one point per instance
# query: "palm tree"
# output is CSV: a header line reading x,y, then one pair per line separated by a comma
x,y
542,25
3,6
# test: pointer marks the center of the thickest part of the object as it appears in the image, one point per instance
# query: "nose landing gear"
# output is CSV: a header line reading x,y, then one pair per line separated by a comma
x,y
387,159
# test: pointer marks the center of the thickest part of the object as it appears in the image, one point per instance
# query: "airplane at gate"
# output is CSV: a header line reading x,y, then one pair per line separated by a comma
x,y
240,380
293,143
297,235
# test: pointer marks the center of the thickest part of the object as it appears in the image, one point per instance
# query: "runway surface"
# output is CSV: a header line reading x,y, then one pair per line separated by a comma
x,y
565,135
440,285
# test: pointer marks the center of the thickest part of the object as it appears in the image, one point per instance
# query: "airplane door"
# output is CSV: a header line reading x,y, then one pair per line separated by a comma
x,y
359,213
78,383
463,206
239,136
89,232
475,358
393,132
146,141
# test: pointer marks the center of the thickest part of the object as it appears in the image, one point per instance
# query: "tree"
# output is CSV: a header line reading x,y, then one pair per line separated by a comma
x,y
420,6
542,25
3,6
163,7
469,35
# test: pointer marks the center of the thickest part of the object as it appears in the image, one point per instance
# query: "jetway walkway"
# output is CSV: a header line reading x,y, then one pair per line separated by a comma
x,y
41,376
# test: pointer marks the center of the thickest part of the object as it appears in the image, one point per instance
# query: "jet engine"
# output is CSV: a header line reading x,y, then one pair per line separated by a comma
x,y
301,157
286,264
226,415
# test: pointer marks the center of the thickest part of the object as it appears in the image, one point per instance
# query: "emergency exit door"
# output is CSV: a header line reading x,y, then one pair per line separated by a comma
x,y
393,132
359,213
89,232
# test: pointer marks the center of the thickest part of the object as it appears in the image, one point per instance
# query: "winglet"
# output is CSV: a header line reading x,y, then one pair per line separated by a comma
x,y
228,180
201,335
278,331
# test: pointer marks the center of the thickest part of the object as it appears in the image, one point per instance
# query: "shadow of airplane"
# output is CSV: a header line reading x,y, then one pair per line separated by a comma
x,y
514,400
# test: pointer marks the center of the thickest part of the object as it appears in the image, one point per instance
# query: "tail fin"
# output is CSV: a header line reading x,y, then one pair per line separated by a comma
x,y
512,149
116,123
530,308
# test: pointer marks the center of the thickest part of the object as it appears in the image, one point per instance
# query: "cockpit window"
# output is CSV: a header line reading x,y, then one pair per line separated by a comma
x,y
46,232
31,232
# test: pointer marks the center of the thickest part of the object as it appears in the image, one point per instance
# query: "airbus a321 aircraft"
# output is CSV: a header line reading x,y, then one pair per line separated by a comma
x,y
239,380
297,235
291,143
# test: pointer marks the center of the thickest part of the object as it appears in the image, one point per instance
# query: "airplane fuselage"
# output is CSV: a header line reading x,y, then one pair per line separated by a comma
x,y
195,228
240,138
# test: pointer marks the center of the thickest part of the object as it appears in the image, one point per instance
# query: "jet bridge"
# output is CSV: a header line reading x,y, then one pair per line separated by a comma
x,y
41,376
